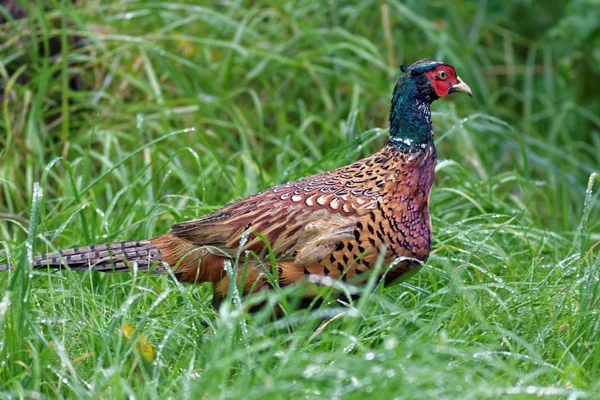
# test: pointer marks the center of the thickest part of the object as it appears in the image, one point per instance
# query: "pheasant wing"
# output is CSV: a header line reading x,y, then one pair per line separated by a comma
x,y
299,221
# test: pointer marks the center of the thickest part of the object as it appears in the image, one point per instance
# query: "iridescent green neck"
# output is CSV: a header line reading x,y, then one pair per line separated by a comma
x,y
410,116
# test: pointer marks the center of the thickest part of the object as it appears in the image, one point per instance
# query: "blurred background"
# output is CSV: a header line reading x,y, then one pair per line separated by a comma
x,y
133,115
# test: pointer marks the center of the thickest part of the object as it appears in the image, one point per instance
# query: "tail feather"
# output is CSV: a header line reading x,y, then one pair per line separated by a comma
x,y
110,257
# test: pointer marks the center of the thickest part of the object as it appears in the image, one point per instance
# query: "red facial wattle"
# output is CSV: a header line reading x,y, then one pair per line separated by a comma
x,y
442,86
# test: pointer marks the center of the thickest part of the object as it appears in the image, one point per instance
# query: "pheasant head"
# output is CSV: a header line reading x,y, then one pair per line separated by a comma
x,y
421,83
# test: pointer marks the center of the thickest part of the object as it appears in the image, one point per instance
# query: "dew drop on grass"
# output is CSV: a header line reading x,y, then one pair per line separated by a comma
x,y
279,354
352,313
194,375
161,297
390,344
355,382
370,356
311,370
377,369
4,304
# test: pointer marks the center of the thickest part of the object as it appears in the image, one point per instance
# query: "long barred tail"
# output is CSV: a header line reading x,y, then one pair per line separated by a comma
x,y
111,257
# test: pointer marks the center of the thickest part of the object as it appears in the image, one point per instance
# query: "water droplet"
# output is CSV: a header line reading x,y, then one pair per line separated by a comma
x,y
4,304
311,370
370,356
195,375
279,354
390,344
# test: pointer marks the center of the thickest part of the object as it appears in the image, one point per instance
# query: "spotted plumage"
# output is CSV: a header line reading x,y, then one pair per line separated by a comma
x,y
335,224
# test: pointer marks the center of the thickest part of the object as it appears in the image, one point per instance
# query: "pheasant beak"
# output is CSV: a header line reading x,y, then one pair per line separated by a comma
x,y
461,86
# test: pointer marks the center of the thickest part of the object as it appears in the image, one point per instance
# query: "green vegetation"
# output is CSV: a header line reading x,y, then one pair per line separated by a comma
x,y
165,111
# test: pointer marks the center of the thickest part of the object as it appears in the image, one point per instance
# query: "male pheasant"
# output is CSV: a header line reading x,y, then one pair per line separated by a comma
x,y
333,224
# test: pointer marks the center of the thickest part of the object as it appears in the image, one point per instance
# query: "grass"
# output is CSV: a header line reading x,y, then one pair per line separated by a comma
x,y
185,107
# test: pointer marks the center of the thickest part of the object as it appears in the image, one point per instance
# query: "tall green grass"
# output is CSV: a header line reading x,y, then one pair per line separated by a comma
x,y
185,107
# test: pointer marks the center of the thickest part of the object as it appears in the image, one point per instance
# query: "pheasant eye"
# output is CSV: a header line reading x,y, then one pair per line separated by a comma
x,y
442,74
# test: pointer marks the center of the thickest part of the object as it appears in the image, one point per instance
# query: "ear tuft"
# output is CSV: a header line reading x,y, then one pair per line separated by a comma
x,y
403,68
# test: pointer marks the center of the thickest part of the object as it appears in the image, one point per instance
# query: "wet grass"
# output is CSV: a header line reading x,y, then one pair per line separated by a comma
x,y
183,108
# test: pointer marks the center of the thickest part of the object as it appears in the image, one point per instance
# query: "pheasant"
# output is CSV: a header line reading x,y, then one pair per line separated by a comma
x,y
335,224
